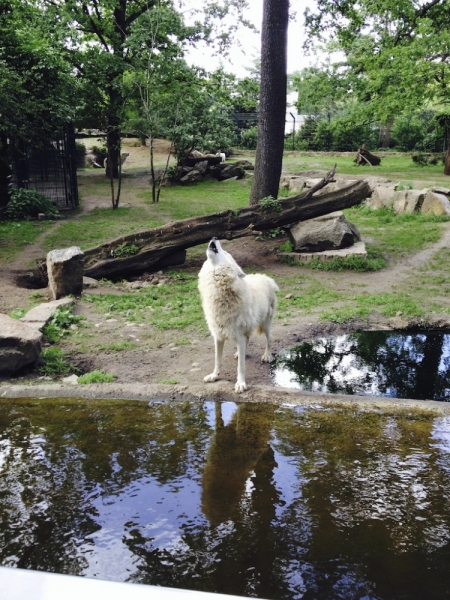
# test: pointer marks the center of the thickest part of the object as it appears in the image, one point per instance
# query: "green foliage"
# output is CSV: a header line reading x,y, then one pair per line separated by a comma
x,y
55,363
60,323
25,203
271,234
100,153
169,381
249,138
288,246
124,250
270,204
97,376
18,313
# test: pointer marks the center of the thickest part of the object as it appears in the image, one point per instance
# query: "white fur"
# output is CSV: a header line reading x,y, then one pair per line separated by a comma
x,y
222,155
235,305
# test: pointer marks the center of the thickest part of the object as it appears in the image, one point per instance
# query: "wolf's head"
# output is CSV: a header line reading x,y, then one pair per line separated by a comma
x,y
215,252
218,257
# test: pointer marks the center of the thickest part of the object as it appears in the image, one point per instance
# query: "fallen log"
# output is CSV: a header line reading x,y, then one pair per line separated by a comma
x,y
364,157
154,247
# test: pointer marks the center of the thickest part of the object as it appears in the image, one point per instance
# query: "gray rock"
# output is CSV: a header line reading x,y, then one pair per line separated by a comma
x,y
231,171
436,204
202,166
296,184
193,175
90,282
329,232
39,316
408,201
20,345
65,272
382,197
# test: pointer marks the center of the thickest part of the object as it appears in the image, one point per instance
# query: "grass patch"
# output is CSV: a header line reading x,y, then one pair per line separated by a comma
x,y
175,305
373,262
387,304
55,363
14,237
396,235
97,376
169,381
98,226
117,346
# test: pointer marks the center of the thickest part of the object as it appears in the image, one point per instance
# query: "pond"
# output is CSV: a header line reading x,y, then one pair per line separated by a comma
x,y
290,502
372,363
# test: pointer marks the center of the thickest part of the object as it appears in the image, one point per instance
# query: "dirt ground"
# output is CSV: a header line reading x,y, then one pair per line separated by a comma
x,y
159,357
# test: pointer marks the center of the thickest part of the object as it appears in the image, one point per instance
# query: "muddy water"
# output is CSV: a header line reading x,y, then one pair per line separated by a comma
x,y
291,502
374,363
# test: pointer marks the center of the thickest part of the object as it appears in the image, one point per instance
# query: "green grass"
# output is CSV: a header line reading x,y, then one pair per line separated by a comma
x,y
396,236
14,237
172,306
98,226
96,377
197,199
398,167
55,363
386,304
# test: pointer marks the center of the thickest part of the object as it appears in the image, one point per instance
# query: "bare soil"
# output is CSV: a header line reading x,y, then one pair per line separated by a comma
x,y
169,357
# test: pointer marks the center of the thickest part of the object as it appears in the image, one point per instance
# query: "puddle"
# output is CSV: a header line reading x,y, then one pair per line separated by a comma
x,y
371,363
253,500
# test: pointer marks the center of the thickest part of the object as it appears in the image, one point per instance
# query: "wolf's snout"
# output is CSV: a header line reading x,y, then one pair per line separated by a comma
x,y
213,246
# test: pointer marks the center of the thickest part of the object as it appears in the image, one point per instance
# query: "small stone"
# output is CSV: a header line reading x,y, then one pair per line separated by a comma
x,y
72,380
98,324
398,313
288,296
195,369
195,364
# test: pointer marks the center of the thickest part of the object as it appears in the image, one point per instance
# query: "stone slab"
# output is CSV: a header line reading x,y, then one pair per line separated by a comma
x,y
39,316
358,249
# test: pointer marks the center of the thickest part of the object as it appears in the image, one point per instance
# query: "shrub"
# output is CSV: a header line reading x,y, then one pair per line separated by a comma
x,y
24,204
100,153
249,138
60,323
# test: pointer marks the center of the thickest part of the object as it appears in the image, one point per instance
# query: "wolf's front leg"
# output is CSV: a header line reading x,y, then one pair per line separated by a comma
x,y
241,386
218,351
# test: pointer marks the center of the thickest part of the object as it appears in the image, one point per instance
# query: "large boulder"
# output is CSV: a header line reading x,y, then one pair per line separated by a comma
x,y
408,201
20,345
329,232
191,176
65,272
231,171
436,204
382,197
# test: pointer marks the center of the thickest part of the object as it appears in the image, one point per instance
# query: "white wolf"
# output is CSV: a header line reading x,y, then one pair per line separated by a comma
x,y
235,305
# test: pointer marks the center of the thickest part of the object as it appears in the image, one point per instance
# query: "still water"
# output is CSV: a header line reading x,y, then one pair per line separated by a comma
x,y
371,363
258,500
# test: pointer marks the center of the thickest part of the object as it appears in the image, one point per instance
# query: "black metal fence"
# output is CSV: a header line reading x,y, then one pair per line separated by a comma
x,y
50,168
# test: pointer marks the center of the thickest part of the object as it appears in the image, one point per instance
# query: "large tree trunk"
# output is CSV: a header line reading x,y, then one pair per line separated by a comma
x,y
156,245
272,100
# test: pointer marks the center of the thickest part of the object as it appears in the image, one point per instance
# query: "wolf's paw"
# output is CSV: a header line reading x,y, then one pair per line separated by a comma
x,y
211,377
240,387
267,358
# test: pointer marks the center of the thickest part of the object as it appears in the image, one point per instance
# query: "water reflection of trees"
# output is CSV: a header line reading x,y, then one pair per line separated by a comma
x,y
375,362
318,503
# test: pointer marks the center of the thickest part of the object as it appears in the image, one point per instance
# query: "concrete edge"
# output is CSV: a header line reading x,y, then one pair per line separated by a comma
x,y
218,391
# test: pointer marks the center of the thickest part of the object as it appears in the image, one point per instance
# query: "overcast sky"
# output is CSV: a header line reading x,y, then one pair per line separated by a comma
x,y
251,43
